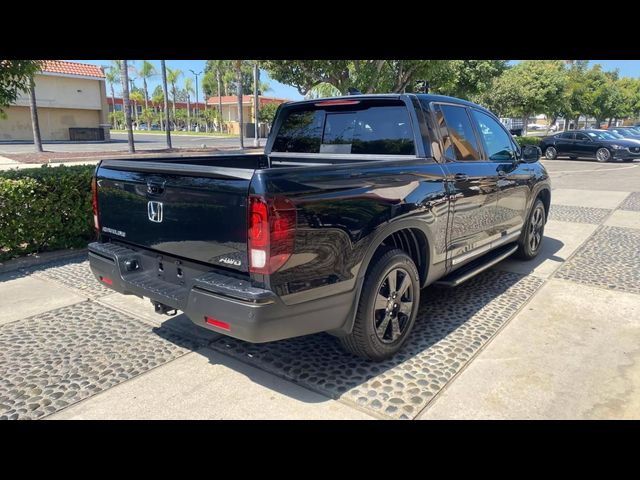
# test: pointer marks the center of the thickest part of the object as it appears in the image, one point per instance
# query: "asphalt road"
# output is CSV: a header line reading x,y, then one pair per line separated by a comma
x,y
119,142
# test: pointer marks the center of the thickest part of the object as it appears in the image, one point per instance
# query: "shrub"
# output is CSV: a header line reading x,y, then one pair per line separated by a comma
x,y
45,208
522,141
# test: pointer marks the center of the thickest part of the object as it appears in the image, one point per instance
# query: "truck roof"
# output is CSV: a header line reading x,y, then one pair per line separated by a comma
x,y
423,96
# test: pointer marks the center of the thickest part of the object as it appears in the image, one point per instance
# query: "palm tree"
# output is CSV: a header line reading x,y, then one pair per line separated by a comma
x,y
158,99
35,124
124,83
112,77
188,87
238,68
172,77
147,70
166,105
137,98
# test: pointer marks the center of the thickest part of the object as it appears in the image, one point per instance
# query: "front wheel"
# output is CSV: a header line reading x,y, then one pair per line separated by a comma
x,y
603,155
531,238
387,308
551,153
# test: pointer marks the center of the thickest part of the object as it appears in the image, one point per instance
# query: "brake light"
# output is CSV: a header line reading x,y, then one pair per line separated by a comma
x,y
330,103
106,280
94,190
271,234
217,323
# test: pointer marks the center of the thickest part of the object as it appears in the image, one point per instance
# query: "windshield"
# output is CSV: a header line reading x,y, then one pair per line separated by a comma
x,y
622,133
617,134
601,135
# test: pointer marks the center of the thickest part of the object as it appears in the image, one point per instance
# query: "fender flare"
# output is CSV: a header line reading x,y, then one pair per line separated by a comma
x,y
379,236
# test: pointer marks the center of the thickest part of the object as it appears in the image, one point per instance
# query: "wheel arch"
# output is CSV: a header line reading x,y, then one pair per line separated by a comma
x,y
412,237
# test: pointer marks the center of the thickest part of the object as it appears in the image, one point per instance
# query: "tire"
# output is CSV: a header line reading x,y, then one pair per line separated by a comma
x,y
550,153
377,332
603,155
533,233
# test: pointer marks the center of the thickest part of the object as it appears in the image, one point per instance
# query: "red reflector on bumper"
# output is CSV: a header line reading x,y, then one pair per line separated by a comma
x,y
106,280
217,323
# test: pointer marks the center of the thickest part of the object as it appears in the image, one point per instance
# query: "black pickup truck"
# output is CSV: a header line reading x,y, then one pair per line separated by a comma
x,y
356,204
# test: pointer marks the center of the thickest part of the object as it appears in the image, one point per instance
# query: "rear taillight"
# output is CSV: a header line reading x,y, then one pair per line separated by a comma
x,y
272,224
94,189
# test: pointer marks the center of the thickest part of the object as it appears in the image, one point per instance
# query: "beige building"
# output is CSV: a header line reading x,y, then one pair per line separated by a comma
x,y
72,105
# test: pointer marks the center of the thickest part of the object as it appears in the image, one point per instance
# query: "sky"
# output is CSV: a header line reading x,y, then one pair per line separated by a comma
x,y
627,68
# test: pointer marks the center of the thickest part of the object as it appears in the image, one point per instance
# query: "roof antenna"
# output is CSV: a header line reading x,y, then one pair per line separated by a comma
x,y
353,91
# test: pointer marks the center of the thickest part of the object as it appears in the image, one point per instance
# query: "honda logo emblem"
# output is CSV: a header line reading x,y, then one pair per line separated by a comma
x,y
154,210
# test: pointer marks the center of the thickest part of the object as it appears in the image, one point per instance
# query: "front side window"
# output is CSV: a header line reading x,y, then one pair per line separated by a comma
x,y
566,135
459,139
582,137
497,142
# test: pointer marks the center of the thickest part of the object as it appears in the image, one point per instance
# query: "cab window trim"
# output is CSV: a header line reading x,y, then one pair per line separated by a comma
x,y
435,107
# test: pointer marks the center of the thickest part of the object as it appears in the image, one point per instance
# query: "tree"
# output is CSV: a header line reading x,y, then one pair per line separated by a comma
x,y
268,112
188,88
630,88
157,98
124,83
322,90
137,98
603,97
173,75
367,76
238,67
166,106
530,87
35,123
112,75
210,117
147,70
15,77
468,78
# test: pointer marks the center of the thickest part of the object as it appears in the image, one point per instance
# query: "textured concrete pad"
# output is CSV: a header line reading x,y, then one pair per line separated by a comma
x,y
624,218
142,309
587,198
25,296
209,385
573,353
632,202
561,239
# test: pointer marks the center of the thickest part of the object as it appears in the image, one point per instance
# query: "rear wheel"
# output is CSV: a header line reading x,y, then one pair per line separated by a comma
x,y
531,238
603,155
387,308
551,153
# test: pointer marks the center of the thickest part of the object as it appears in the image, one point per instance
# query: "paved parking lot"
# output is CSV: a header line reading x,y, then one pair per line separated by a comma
x,y
557,337
143,141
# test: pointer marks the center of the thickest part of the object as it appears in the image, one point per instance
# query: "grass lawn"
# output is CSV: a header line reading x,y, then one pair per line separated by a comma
x,y
162,132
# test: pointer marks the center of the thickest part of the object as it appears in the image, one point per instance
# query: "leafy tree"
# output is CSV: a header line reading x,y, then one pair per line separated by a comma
x,y
322,90
367,76
630,88
468,78
15,77
530,87
267,112
137,98
604,99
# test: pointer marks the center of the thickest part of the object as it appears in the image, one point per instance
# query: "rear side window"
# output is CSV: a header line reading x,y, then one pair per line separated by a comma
x,y
566,135
460,141
373,130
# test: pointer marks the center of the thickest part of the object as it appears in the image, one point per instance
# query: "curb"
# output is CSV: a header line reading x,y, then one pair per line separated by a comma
x,y
39,259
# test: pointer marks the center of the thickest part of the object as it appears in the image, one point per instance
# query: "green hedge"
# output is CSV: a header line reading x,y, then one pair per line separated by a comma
x,y
45,208
522,141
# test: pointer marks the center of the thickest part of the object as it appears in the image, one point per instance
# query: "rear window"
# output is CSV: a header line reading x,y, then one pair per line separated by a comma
x,y
373,129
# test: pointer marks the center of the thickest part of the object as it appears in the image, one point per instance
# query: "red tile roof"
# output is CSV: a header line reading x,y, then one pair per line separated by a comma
x,y
72,68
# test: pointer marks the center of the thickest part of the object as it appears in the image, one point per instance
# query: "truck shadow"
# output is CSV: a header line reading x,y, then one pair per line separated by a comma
x,y
452,325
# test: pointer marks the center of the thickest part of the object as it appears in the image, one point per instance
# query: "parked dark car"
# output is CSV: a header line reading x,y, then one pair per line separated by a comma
x,y
598,144
356,204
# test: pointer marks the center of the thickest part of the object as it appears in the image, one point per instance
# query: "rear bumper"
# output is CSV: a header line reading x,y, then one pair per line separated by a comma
x,y
254,315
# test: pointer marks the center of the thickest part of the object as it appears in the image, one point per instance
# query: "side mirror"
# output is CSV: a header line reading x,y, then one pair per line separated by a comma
x,y
531,153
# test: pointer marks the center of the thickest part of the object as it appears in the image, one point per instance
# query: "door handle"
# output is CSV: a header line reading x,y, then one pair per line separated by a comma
x,y
461,177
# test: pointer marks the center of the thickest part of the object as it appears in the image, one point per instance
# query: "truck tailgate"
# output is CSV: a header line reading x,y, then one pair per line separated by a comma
x,y
197,212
